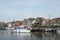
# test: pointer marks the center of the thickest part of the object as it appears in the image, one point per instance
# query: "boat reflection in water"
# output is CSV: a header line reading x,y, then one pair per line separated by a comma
x,y
5,35
44,35
37,36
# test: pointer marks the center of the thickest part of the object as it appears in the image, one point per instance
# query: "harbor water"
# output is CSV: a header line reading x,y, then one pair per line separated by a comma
x,y
5,35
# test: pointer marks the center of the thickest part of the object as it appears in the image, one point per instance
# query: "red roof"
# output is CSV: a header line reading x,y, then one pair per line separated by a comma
x,y
47,20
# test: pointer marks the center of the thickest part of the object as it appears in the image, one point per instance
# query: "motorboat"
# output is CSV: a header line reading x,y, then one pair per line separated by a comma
x,y
19,30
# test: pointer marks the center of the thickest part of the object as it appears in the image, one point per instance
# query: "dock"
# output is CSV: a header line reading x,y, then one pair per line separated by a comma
x,y
44,29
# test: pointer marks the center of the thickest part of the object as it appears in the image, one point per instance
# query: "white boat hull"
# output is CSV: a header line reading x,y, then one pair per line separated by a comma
x,y
21,30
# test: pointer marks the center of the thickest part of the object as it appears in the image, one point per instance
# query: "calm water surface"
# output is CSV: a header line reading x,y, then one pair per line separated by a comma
x,y
5,35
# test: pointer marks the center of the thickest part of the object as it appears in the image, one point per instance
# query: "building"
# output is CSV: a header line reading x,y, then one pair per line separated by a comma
x,y
15,23
38,22
47,22
28,22
2,24
56,21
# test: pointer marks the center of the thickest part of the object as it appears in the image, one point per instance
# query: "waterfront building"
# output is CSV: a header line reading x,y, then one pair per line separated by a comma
x,y
47,22
38,22
56,21
28,22
2,24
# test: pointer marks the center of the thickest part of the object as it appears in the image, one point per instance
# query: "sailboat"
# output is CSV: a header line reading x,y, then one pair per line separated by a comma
x,y
19,29
22,29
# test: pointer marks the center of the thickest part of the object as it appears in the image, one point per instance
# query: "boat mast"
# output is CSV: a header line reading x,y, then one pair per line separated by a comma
x,y
28,22
13,24
49,21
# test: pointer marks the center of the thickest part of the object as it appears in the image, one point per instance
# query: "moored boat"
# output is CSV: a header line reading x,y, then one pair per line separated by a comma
x,y
21,30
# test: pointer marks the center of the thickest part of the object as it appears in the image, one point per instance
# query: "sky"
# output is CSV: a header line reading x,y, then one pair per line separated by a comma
x,y
21,9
